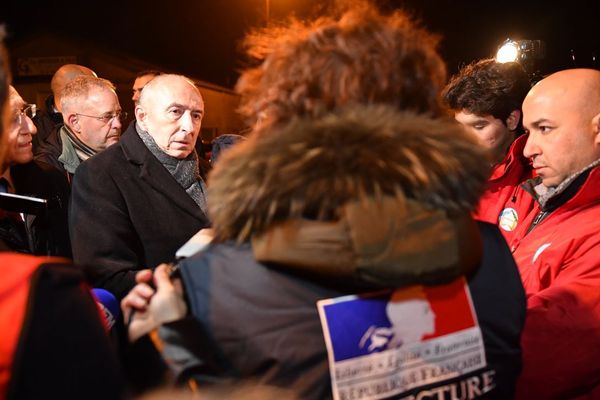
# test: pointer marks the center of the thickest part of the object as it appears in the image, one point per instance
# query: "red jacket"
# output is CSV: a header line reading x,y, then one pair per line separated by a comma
x,y
559,262
52,342
502,203
14,292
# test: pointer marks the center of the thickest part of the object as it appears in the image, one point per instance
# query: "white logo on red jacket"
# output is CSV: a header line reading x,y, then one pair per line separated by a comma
x,y
539,251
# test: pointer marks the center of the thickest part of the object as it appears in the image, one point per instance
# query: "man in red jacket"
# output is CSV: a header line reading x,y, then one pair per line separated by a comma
x,y
557,246
486,99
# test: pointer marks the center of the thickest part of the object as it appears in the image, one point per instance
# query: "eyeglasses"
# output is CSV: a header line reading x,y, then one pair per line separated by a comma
x,y
28,110
106,118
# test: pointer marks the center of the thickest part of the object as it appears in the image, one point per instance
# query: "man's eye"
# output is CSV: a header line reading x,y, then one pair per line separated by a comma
x,y
545,129
479,127
197,116
175,112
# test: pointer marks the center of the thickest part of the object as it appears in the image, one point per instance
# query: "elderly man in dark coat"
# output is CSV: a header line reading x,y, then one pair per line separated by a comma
x,y
134,204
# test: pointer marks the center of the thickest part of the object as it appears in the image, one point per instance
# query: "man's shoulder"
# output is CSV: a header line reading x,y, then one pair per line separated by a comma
x,y
578,214
217,254
121,159
569,233
514,168
106,163
51,144
572,223
39,172
129,148
231,267
111,157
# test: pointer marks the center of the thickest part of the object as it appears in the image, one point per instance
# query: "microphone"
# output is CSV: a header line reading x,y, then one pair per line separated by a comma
x,y
109,305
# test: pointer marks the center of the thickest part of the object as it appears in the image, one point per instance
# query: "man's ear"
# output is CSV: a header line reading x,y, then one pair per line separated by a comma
x,y
72,121
140,116
513,120
596,128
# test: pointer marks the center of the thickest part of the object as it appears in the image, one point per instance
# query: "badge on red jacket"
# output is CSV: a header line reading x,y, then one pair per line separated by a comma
x,y
508,219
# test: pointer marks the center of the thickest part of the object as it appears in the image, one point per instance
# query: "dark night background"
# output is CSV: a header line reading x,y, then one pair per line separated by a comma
x,y
201,37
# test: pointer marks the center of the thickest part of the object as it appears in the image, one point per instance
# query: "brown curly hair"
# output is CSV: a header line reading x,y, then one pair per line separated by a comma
x,y
488,87
355,56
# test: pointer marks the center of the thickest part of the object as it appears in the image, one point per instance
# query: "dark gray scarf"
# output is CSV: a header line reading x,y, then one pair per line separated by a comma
x,y
185,171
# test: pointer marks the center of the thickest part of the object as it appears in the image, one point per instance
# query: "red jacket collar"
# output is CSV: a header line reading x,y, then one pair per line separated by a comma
x,y
514,155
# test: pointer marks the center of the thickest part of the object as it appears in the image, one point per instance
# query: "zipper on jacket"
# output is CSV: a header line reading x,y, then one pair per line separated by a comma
x,y
538,218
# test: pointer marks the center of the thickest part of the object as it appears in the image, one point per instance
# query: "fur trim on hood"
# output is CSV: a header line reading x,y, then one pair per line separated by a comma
x,y
310,168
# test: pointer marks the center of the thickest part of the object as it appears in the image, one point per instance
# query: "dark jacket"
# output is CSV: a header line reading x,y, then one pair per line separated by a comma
x,y
45,121
49,232
322,215
44,233
54,344
50,149
128,213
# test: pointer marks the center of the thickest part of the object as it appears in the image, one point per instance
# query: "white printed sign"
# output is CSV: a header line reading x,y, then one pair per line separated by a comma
x,y
42,66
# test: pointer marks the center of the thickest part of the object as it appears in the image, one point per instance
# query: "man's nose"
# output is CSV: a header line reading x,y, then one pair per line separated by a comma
x,y
27,126
531,147
116,123
187,122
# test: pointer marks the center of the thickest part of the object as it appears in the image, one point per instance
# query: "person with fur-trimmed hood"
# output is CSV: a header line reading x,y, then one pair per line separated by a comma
x,y
351,181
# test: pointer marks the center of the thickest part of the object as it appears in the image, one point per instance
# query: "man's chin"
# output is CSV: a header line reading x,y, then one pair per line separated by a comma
x,y
112,140
22,159
179,153
550,181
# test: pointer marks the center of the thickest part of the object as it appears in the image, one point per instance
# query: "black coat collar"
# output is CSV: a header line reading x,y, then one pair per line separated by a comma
x,y
155,174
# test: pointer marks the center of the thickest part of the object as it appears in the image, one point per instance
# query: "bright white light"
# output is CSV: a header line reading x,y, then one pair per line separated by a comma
x,y
508,52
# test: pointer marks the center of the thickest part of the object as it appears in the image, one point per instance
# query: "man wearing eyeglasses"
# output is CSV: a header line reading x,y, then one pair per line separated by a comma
x,y
43,234
47,119
92,122
135,204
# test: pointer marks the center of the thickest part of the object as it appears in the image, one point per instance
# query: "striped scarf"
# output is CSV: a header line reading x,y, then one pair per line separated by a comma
x,y
83,150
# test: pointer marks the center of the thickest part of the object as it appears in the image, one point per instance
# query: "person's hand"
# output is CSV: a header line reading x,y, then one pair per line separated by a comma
x,y
153,307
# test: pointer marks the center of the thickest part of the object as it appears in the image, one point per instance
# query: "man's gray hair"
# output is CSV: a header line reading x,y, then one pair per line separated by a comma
x,y
79,88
